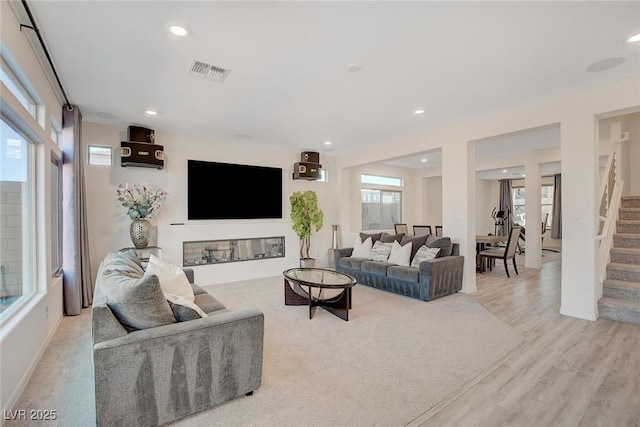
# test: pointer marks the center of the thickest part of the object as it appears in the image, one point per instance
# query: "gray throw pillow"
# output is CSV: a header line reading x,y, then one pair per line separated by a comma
x,y
416,243
444,243
136,303
390,238
374,237
182,313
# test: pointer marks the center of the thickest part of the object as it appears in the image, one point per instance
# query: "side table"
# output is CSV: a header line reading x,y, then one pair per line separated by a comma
x,y
145,253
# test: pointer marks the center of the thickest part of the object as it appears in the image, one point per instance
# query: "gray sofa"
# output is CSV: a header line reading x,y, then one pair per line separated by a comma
x,y
432,279
159,374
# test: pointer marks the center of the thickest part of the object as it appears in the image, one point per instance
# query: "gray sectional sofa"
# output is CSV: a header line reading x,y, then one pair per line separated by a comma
x,y
154,375
430,280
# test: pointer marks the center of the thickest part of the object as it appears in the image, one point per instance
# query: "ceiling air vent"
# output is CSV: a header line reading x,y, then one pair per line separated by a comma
x,y
207,71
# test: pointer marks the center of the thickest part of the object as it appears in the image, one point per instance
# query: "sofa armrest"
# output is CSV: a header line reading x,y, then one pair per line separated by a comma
x,y
443,274
339,253
189,273
191,365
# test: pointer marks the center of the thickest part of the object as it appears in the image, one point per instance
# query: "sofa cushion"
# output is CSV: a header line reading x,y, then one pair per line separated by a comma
x,y
416,242
375,267
381,251
208,303
136,303
390,238
362,249
444,243
172,279
400,255
374,236
353,263
409,274
425,253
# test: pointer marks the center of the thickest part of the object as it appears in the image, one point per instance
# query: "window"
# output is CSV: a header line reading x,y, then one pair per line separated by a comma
x,y
56,133
100,156
17,88
323,175
17,223
519,203
381,207
380,180
56,215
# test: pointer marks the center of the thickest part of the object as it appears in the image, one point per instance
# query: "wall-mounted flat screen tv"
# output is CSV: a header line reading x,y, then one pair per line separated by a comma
x,y
233,191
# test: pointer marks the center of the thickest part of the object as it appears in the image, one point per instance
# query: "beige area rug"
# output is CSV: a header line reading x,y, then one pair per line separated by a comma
x,y
390,363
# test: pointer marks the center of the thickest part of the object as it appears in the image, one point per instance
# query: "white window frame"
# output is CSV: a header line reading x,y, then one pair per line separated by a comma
x,y
382,184
18,89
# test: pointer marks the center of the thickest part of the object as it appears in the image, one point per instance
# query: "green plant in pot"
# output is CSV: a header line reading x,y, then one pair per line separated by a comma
x,y
306,216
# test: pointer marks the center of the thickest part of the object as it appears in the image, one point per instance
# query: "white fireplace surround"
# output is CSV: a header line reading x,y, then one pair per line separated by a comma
x,y
171,238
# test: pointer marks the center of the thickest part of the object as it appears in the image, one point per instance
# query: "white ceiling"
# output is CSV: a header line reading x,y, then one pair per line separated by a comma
x,y
289,86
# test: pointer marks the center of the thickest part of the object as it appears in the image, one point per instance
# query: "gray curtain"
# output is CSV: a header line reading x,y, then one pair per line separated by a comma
x,y
77,280
506,204
556,221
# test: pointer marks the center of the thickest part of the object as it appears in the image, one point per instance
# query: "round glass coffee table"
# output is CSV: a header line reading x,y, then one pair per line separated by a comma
x,y
296,279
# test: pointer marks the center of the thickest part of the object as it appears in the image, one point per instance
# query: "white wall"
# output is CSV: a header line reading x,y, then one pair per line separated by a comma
x,y
24,335
109,224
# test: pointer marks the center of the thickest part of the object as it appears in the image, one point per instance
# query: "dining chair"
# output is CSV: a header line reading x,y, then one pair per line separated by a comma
x,y
421,230
438,231
509,252
401,228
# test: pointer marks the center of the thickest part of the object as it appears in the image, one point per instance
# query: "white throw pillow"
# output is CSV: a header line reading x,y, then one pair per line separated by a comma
x,y
173,281
424,253
362,249
400,255
381,251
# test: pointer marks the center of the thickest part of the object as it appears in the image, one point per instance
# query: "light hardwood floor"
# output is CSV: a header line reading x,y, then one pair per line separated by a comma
x,y
571,372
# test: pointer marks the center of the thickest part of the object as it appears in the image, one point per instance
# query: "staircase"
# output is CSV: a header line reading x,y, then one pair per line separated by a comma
x,y
621,288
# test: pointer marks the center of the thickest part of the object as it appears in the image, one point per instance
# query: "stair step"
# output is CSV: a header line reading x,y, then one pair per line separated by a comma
x,y
626,240
629,213
621,289
627,272
618,310
630,202
625,256
626,226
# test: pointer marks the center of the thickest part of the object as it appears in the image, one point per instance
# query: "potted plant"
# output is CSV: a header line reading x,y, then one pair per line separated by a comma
x,y
305,215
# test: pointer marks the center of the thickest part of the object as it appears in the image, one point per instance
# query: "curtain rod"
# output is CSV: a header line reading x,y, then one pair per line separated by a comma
x,y
35,29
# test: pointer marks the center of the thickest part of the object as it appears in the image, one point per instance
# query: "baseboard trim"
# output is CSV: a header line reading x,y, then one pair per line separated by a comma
x,y
421,419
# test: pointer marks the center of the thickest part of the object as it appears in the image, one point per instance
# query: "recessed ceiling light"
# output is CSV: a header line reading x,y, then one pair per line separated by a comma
x,y
151,112
605,64
353,68
179,30
243,136
423,160
634,39
418,111
328,143
504,171
523,175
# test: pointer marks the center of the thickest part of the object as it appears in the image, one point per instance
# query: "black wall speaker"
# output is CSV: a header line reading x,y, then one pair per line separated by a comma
x,y
140,134
310,157
308,171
